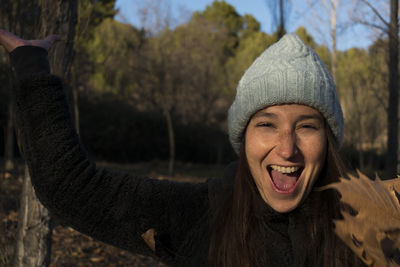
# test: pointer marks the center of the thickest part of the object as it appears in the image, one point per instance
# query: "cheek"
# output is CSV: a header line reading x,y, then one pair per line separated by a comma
x,y
256,144
314,149
254,149
252,155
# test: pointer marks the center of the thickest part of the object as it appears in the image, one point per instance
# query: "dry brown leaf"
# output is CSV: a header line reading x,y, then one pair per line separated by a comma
x,y
96,259
148,237
374,233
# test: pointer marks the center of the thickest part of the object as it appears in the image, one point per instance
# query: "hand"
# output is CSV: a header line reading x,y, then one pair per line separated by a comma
x,y
10,41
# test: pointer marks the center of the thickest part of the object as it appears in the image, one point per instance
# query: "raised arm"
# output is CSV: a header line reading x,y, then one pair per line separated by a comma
x,y
116,208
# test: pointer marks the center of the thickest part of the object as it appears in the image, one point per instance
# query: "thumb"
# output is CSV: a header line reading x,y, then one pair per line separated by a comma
x,y
46,43
52,38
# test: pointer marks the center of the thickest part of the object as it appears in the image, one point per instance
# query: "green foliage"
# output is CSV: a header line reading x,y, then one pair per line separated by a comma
x,y
203,76
250,47
362,93
306,37
278,34
92,13
129,76
111,51
324,54
20,17
242,42
222,14
227,21
250,24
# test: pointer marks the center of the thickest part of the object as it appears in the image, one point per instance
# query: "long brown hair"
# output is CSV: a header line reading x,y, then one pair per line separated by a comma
x,y
237,227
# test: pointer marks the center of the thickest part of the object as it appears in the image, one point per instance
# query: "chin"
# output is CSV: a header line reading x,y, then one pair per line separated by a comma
x,y
284,208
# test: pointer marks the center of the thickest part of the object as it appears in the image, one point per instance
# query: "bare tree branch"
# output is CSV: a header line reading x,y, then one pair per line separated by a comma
x,y
373,25
376,13
380,99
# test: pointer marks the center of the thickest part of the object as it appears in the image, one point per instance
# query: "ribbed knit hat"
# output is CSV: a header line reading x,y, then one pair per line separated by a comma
x,y
288,72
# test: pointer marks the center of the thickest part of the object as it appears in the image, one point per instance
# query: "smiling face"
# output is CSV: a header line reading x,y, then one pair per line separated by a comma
x,y
286,149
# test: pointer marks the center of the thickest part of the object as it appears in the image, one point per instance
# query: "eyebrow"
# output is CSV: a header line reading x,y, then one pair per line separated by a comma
x,y
300,118
265,114
311,116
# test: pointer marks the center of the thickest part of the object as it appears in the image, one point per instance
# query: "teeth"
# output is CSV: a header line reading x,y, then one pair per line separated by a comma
x,y
284,169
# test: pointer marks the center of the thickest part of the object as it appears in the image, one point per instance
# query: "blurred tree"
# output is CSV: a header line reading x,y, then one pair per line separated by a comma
x,y
325,54
378,67
250,25
203,79
375,17
325,19
223,15
251,45
306,37
19,16
280,10
392,160
177,79
322,50
161,82
226,19
332,6
91,13
114,51
358,100
222,29
33,244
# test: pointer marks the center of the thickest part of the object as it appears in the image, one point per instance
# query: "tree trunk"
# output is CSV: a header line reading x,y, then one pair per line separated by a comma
x,y
171,139
360,145
33,243
359,115
392,141
333,39
61,16
9,137
281,30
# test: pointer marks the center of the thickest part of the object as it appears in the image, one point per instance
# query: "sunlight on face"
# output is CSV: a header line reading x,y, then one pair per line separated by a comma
x,y
286,148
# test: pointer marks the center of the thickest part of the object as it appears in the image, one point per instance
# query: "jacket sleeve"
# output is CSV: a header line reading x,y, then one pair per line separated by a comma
x,y
116,208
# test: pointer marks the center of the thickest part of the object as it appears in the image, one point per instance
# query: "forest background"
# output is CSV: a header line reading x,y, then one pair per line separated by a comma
x,y
159,94
131,82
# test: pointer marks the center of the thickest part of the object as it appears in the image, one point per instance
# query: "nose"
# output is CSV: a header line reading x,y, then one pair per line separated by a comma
x,y
287,147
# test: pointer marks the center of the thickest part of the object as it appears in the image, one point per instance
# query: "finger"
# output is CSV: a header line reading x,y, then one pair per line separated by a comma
x,y
53,38
46,43
50,40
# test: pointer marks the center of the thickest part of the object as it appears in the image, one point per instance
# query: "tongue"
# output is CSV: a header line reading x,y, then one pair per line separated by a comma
x,y
283,182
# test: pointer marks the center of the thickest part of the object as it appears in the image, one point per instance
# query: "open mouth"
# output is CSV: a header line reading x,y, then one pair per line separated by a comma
x,y
285,179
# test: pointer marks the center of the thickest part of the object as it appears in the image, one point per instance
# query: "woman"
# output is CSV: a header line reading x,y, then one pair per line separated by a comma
x,y
286,125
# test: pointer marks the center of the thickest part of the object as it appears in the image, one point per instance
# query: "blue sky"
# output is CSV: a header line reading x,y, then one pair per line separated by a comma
x,y
300,15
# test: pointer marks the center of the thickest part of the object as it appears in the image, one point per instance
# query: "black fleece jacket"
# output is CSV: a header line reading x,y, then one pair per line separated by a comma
x,y
117,208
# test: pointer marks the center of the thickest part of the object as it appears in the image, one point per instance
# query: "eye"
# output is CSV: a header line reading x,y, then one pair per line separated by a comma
x,y
265,124
308,126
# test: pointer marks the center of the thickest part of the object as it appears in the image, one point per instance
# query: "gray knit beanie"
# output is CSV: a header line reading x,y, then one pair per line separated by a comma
x,y
288,72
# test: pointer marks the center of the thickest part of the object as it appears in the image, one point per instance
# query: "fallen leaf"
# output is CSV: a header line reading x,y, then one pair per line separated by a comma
x,y
148,237
374,232
96,259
